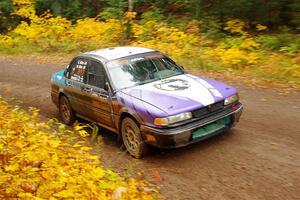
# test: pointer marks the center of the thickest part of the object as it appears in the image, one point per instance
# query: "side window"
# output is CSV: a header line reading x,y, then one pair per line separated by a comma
x,y
77,70
96,74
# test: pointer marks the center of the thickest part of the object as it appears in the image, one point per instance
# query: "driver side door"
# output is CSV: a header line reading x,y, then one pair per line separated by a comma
x,y
96,98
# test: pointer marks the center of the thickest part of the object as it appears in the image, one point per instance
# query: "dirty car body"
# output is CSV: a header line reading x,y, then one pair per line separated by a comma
x,y
163,104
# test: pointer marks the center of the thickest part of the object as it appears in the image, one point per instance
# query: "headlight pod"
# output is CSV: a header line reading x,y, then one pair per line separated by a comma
x,y
172,119
231,99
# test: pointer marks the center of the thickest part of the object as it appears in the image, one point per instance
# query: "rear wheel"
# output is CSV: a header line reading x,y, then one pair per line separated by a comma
x,y
65,111
132,138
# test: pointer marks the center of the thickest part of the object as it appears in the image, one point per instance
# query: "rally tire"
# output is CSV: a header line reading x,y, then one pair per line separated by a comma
x,y
132,138
65,111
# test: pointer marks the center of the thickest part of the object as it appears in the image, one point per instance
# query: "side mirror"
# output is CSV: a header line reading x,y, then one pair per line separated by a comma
x,y
182,68
107,86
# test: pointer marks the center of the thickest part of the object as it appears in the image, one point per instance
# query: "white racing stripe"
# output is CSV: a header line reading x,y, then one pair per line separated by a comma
x,y
210,88
185,87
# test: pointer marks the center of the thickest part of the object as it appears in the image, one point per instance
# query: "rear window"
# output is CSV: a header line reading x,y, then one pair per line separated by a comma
x,y
77,70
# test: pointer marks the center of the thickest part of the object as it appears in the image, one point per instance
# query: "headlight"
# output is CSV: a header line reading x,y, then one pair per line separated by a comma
x,y
231,99
172,119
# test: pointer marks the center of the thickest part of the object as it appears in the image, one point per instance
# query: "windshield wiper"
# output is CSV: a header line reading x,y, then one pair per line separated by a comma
x,y
173,75
146,81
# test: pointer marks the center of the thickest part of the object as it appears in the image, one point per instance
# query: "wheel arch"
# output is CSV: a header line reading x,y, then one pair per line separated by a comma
x,y
122,117
60,95
127,114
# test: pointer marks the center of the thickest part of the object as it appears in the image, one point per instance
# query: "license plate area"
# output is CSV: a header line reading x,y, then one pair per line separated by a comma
x,y
211,128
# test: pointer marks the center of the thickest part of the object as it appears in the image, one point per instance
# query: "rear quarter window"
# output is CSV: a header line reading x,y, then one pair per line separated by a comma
x,y
77,70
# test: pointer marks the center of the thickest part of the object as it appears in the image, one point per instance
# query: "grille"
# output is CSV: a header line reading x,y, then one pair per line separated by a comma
x,y
202,112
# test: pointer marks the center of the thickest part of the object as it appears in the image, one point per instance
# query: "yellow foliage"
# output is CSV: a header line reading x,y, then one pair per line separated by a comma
x,y
24,8
130,15
260,27
169,40
49,32
44,26
40,164
249,43
233,55
6,40
241,49
90,30
278,65
235,26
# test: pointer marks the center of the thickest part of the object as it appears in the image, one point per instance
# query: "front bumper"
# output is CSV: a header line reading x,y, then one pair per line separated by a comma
x,y
184,135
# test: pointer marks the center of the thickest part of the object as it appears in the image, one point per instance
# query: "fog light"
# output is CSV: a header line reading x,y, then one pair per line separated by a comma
x,y
150,138
182,138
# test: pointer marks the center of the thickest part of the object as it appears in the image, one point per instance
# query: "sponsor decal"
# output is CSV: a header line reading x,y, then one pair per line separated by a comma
x,y
59,77
186,87
173,85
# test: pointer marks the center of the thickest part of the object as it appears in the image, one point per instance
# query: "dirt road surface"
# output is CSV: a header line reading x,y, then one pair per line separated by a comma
x,y
258,159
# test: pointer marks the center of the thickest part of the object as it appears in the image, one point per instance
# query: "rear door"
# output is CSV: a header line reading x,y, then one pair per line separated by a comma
x,y
75,80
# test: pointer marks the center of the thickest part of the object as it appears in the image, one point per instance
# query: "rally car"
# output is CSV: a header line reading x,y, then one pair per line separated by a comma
x,y
145,97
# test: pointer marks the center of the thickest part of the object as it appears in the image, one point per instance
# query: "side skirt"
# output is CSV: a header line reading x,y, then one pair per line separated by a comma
x,y
102,125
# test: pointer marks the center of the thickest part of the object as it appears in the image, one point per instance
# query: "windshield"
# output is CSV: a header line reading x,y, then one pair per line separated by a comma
x,y
141,69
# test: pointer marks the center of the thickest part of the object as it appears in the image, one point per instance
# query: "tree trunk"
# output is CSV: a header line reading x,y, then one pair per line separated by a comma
x,y
130,5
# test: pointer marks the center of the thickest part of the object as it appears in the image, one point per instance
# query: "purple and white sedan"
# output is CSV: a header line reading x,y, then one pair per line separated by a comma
x,y
145,97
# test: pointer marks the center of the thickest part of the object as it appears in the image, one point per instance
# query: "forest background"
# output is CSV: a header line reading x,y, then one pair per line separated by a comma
x,y
258,38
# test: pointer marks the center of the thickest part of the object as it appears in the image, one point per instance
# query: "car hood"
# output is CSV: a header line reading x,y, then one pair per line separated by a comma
x,y
181,93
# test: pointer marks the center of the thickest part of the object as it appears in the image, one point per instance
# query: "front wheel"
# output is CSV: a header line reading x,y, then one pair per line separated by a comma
x,y
65,111
132,138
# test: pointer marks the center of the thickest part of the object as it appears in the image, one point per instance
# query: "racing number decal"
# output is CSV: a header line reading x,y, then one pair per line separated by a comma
x,y
78,71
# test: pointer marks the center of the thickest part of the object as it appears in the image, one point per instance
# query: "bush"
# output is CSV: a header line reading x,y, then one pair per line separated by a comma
x,y
285,42
291,49
270,42
238,51
37,162
154,14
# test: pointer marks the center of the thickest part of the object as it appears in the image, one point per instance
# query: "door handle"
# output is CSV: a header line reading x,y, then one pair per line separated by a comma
x,y
68,83
86,89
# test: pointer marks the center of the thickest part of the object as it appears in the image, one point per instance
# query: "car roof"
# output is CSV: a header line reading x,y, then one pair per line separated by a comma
x,y
118,52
